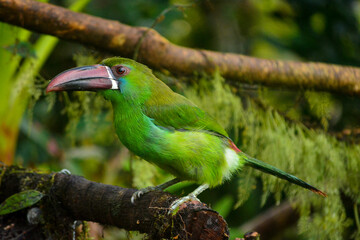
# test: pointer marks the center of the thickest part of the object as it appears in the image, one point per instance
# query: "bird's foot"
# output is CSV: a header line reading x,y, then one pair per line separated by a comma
x,y
65,171
160,187
178,202
191,197
136,195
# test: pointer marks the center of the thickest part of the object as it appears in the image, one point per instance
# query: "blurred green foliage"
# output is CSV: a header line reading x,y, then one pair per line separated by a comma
x,y
294,130
20,62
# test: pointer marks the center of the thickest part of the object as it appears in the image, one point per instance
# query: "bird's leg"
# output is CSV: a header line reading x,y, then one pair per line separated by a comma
x,y
192,196
160,187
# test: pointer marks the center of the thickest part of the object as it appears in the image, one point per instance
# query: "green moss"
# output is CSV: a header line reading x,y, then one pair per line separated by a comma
x,y
312,155
322,106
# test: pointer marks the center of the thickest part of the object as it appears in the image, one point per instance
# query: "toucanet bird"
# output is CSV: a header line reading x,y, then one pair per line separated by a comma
x,y
164,127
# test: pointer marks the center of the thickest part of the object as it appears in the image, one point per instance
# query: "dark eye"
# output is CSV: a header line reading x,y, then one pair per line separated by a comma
x,y
120,70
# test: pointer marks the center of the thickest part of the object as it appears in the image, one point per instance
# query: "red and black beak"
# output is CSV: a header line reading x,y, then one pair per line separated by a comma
x,y
87,78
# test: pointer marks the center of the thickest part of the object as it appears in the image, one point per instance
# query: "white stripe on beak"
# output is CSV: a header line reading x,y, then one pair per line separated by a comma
x,y
114,83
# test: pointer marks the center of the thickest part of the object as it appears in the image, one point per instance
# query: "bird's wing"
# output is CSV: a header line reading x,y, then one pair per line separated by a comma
x,y
173,111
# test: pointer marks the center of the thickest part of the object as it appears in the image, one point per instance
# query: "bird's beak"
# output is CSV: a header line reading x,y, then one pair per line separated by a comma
x,y
87,78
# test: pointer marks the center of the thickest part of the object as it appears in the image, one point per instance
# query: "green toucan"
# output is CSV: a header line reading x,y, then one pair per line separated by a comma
x,y
163,127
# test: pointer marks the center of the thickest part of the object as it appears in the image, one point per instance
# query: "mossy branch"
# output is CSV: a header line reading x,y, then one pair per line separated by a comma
x,y
159,53
80,199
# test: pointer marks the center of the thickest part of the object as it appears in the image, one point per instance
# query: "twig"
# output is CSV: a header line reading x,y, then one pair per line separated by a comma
x,y
272,221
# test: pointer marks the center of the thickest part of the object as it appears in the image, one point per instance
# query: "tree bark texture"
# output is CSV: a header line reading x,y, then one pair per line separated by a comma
x,y
80,199
158,53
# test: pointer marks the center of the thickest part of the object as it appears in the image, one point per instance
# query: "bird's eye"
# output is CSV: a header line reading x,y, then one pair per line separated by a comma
x,y
120,70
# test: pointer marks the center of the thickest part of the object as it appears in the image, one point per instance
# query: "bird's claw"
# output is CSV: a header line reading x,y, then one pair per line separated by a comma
x,y
65,171
136,195
177,203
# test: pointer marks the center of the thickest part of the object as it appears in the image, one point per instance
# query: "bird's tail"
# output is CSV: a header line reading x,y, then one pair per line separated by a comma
x,y
267,168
